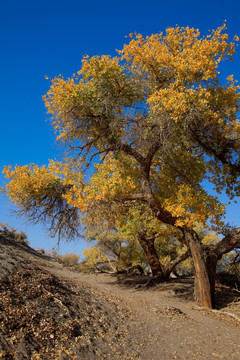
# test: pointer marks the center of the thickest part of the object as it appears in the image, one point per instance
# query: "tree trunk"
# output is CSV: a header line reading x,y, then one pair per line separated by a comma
x,y
148,247
211,264
202,290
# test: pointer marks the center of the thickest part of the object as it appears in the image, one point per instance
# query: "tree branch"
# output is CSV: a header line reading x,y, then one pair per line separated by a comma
x,y
228,243
176,261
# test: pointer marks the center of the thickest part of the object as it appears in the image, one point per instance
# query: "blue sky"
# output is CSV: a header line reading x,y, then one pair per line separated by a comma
x,y
50,37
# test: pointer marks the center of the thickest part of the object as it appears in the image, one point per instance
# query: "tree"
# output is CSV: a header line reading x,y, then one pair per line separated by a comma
x,y
130,235
159,111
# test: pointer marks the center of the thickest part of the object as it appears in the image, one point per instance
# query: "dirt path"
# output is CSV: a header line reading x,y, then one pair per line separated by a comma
x,y
164,326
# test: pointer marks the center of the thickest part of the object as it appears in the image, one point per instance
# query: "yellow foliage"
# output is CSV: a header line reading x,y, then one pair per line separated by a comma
x,y
158,87
191,206
33,184
93,255
69,259
114,178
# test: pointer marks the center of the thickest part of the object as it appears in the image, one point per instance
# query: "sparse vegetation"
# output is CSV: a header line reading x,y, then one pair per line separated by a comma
x,y
10,232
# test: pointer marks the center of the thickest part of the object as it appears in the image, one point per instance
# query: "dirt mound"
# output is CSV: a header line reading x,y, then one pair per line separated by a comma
x,y
14,254
44,317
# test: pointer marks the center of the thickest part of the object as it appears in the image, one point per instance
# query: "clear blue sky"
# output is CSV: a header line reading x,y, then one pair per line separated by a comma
x,y
49,37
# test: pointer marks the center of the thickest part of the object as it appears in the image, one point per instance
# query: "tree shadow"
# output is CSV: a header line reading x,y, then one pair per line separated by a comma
x,y
225,296
182,287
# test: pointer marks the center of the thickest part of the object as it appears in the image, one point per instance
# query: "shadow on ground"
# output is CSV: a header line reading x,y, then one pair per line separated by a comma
x,y
183,288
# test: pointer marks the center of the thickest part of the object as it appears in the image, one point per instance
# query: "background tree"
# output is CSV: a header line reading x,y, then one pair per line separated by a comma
x,y
70,259
130,235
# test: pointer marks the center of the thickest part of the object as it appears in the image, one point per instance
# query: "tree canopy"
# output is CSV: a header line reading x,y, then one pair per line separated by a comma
x,y
157,120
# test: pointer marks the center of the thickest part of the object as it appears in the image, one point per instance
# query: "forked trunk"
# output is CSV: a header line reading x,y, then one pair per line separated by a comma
x,y
174,263
202,289
148,247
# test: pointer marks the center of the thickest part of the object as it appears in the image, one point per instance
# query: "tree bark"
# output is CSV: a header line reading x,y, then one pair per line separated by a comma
x,y
228,243
202,289
148,247
211,260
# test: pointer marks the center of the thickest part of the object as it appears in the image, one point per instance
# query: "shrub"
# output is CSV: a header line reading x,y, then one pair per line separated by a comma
x,y
69,259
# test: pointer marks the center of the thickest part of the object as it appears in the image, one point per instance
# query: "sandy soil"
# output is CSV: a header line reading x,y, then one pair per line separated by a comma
x,y
168,324
105,318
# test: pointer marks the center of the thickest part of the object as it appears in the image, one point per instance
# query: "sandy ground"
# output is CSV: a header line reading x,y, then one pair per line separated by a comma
x,y
167,326
157,323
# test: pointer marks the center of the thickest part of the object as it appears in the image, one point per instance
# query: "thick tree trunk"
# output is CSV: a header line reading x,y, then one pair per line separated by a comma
x,y
211,264
202,290
148,247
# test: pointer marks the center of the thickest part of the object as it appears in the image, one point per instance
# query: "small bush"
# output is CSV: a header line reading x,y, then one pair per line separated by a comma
x,y
69,259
